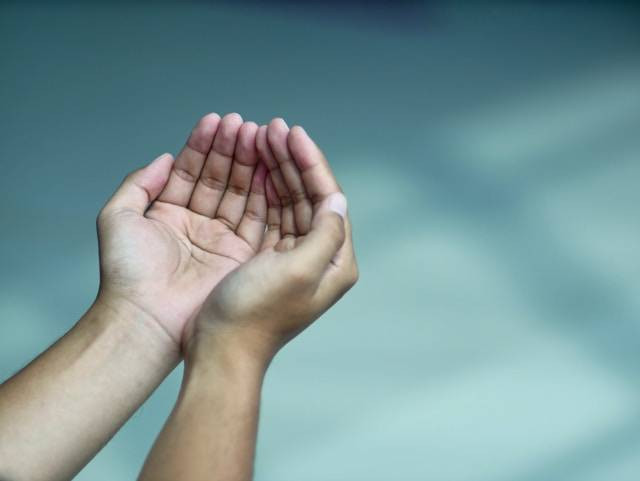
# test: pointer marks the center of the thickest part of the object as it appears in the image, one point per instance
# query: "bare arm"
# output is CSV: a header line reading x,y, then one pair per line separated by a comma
x,y
166,239
212,430
63,407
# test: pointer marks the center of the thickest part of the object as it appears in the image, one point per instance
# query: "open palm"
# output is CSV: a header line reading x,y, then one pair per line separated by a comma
x,y
207,217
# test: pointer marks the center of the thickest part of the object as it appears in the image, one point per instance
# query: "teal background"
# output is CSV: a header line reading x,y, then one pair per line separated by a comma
x,y
491,157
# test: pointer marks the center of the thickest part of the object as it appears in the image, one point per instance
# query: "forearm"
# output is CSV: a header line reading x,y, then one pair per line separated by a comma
x,y
62,408
211,433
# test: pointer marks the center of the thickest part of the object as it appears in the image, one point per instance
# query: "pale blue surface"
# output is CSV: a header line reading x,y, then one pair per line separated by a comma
x,y
491,156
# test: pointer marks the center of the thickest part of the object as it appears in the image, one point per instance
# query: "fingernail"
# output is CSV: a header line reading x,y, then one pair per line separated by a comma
x,y
338,204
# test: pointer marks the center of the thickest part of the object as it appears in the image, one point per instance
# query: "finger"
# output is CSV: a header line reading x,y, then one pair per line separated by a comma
x,y
345,255
265,154
317,176
342,273
272,234
234,200
212,182
188,164
326,237
252,224
339,278
140,188
277,134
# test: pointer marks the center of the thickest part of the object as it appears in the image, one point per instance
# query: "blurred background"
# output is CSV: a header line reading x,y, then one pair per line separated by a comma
x,y
491,155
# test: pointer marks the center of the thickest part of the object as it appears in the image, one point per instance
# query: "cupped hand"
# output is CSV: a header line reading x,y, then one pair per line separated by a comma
x,y
174,229
306,260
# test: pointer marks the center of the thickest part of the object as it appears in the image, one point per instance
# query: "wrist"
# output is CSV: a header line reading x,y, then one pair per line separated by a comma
x,y
224,350
120,315
214,373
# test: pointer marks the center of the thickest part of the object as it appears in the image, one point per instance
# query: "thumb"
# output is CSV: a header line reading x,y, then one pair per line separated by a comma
x,y
327,234
141,187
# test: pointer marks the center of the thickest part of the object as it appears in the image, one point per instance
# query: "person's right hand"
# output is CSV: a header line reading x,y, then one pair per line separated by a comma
x,y
306,261
173,230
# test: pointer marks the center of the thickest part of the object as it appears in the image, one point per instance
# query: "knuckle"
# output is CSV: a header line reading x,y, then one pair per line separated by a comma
x,y
257,216
298,196
212,183
285,200
184,174
103,217
239,190
103,213
353,276
350,276
100,218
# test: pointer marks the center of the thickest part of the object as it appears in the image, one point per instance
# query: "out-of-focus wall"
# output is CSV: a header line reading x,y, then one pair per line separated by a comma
x,y
491,156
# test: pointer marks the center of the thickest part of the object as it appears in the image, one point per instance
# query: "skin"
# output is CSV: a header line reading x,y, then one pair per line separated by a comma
x,y
268,254
305,264
207,220
167,237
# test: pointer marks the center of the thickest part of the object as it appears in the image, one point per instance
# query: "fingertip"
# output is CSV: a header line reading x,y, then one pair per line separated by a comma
x,y
233,117
261,140
225,139
261,135
162,163
247,139
337,202
250,125
278,122
162,157
231,123
151,179
298,130
203,133
302,148
277,133
211,117
324,240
